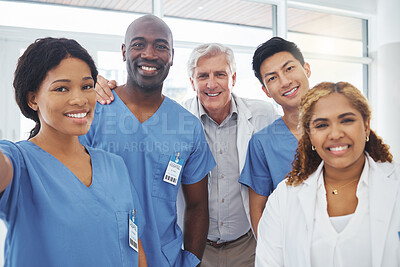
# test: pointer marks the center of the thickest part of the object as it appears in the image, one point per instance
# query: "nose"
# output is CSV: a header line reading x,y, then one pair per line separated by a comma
x,y
211,83
148,53
285,80
336,131
79,98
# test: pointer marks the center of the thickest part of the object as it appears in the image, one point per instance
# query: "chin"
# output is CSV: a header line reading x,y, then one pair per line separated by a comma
x,y
341,163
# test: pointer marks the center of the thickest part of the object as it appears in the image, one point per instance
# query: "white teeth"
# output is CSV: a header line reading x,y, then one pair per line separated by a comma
x,y
77,115
338,148
290,92
213,94
148,68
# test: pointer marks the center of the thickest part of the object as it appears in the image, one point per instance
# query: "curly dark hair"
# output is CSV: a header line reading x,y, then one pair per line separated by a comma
x,y
306,160
38,59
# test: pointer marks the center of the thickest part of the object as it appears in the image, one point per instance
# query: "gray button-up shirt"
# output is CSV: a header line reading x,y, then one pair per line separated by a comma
x,y
228,220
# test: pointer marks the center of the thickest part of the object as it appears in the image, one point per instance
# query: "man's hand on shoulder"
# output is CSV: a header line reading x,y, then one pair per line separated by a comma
x,y
103,90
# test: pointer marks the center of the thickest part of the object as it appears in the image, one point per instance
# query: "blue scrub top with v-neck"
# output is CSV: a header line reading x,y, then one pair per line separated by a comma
x,y
269,158
53,219
147,148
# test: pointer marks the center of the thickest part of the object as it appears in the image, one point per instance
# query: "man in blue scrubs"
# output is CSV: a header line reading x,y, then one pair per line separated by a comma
x,y
279,66
162,144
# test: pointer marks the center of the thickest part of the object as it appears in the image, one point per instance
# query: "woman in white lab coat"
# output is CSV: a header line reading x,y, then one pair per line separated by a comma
x,y
340,205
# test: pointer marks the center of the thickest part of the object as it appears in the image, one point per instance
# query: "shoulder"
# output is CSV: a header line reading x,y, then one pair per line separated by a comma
x,y
10,148
188,103
390,169
181,116
173,105
7,143
269,129
254,105
259,113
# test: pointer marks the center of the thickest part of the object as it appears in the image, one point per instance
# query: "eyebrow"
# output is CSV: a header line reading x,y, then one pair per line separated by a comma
x,y
283,66
68,80
340,117
156,40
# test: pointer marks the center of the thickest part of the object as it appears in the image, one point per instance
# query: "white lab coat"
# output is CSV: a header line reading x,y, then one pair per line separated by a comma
x,y
253,115
286,226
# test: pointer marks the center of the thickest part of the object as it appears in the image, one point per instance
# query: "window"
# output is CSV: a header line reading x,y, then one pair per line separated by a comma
x,y
334,45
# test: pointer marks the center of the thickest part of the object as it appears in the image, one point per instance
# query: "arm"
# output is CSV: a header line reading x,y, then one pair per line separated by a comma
x,y
6,171
103,90
196,217
142,256
257,205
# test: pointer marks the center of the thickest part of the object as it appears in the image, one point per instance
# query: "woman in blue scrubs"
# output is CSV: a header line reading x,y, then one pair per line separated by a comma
x,y
61,205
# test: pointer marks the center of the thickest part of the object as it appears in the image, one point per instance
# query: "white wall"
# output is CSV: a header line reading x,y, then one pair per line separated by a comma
x,y
385,50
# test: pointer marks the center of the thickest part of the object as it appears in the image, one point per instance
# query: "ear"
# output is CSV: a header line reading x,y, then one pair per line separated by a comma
x,y
172,60
307,69
123,49
367,128
31,100
266,91
192,83
234,79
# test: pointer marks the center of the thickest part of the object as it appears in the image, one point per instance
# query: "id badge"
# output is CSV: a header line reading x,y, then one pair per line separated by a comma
x,y
173,170
133,231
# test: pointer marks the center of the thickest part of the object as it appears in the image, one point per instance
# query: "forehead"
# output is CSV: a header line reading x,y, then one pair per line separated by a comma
x,y
333,105
212,63
150,30
69,66
276,61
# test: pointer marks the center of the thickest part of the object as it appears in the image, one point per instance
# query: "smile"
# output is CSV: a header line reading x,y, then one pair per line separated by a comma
x,y
291,91
216,94
148,68
77,115
338,148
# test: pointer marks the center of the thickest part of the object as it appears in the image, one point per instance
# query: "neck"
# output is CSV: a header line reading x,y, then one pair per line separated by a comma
x,y
219,115
133,95
57,144
291,119
142,105
342,175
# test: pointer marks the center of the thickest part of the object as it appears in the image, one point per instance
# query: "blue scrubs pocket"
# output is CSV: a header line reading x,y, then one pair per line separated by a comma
x,y
129,257
160,188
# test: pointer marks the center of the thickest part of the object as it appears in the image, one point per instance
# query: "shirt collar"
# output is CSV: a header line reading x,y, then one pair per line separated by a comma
x,y
233,111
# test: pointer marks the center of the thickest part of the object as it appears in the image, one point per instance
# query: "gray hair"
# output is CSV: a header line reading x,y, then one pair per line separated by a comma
x,y
211,50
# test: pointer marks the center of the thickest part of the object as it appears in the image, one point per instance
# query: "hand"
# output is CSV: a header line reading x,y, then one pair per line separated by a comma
x,y
103,90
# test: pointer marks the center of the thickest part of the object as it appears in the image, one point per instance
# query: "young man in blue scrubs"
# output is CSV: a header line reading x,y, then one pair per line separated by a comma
x,y
162,144
279,66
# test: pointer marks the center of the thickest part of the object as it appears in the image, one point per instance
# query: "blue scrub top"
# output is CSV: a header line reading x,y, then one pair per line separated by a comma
x,y
53,219
147,149
269,158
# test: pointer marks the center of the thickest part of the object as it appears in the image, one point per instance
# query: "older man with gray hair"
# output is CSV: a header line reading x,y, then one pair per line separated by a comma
x,y
229,122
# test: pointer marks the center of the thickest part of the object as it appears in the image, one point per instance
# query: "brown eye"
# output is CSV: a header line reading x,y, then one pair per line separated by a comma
x,y
60,89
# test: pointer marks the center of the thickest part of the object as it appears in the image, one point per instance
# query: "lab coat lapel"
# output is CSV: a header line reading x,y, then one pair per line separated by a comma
x,y
307,200
245,130
383,194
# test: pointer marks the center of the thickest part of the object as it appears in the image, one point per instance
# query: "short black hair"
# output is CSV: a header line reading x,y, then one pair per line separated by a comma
x,y
38,59
270,48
